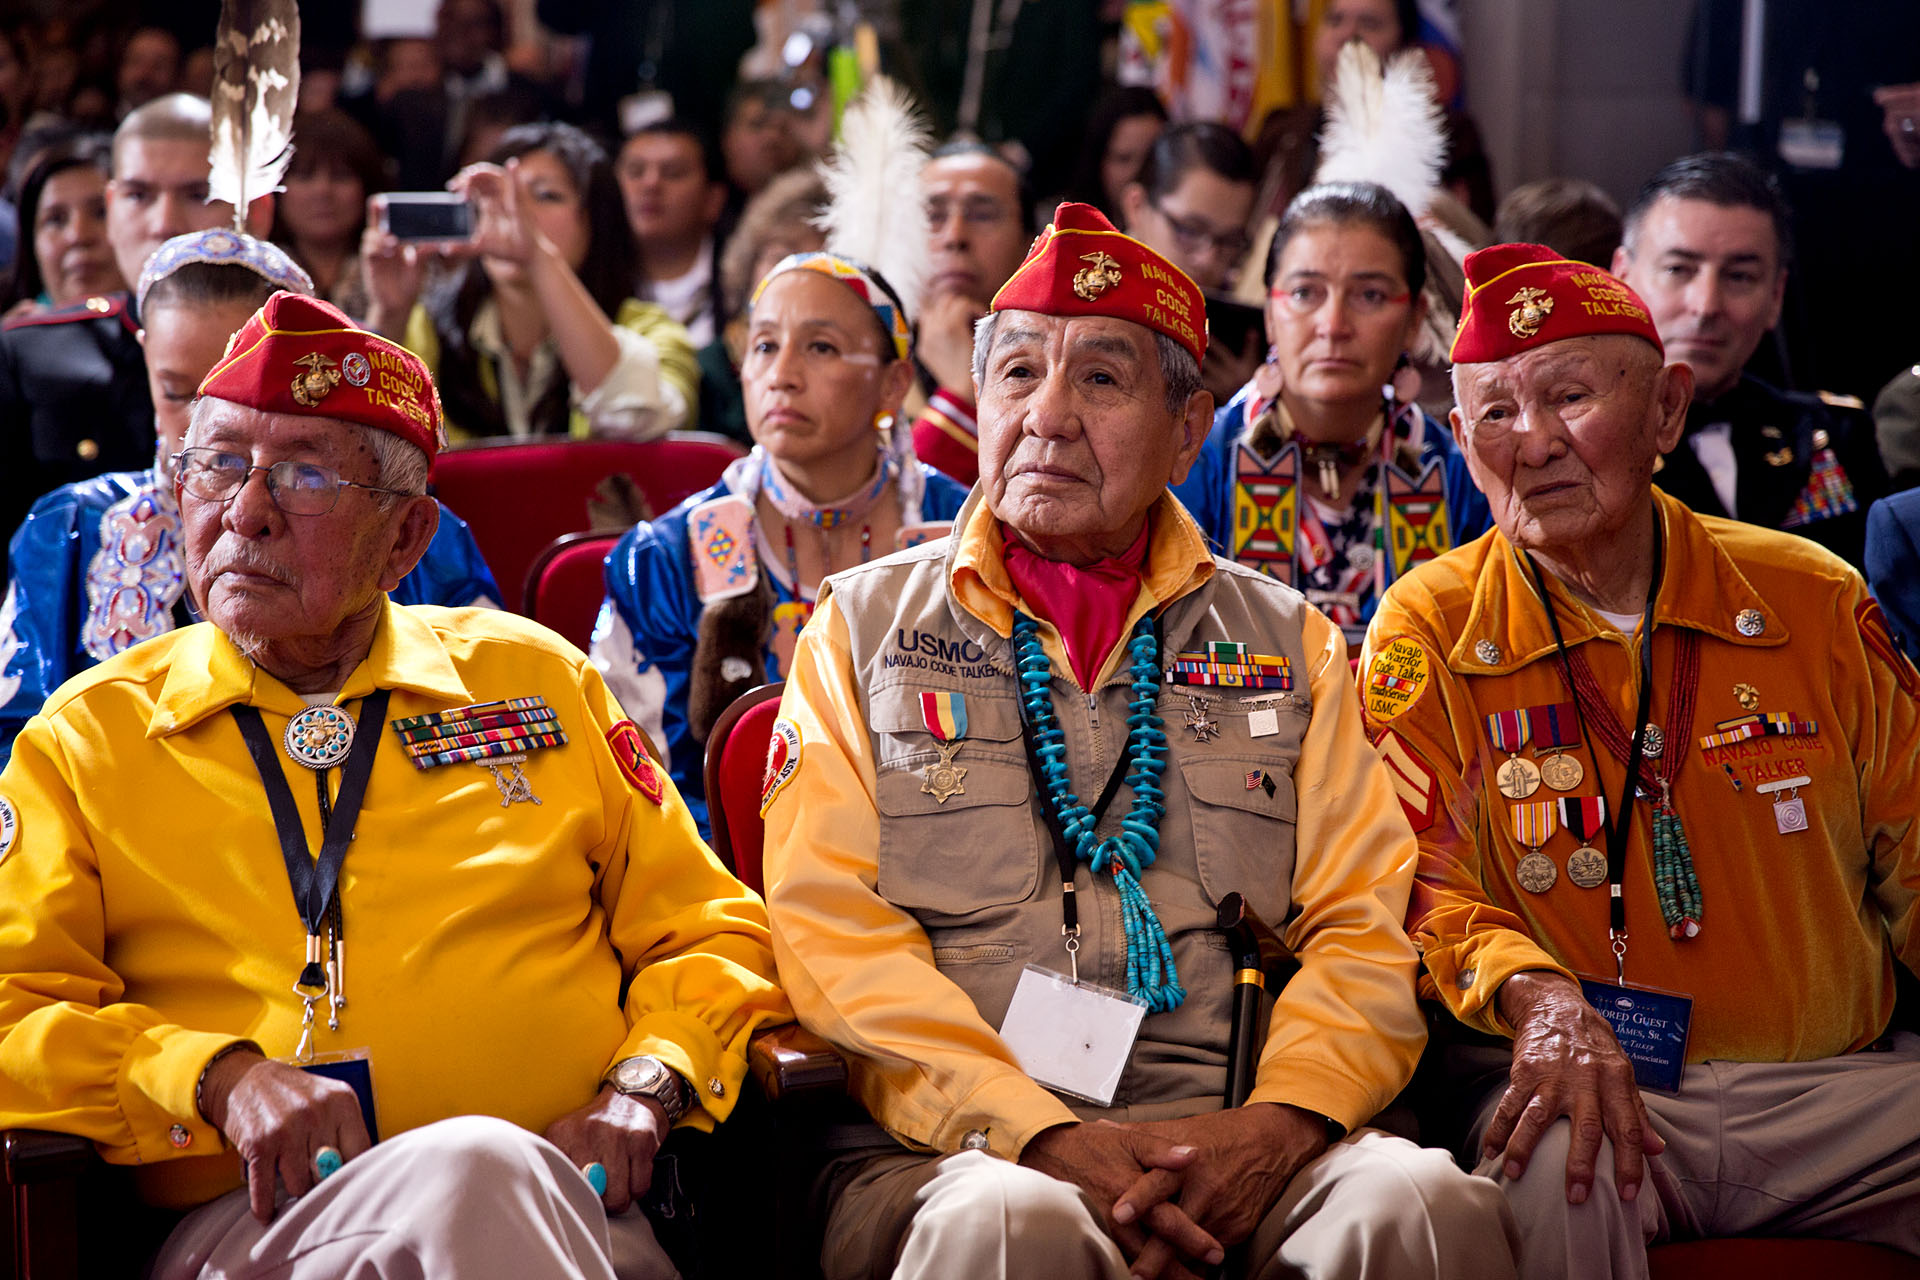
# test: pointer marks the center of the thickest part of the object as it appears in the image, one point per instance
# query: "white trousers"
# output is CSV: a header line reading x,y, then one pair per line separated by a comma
x,y
1373,1206
472,1197
1823,1148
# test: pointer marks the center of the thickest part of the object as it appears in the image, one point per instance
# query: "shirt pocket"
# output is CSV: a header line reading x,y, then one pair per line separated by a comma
x,y
1243,838
979,848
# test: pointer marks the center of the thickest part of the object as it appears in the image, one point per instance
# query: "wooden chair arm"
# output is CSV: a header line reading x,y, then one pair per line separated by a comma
x,y
30,1156
792,1062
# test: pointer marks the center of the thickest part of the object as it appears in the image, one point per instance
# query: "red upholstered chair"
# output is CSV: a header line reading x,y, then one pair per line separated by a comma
x,y
519,495
736,766
566,584
1766,1258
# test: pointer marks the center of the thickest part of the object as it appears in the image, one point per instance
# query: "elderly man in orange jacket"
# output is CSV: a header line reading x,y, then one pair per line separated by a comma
x,y
1663,770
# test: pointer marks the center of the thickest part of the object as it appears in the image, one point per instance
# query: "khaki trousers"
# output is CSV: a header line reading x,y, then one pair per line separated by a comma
x,y
471,1197
1372,1206
1825,1148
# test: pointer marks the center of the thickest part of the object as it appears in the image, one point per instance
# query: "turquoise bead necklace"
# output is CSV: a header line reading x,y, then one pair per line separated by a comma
x,y
1127,853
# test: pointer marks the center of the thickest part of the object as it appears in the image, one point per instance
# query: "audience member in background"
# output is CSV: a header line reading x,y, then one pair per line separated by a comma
x,y
1288,147
1125,123
67,259
323,210
97,565
1190,204
1708,242
687,49
1374,485
1896,427
756,137
73,386
149,67
830,484
1893,564
674,196
976,203
775,224
1569,214
519,343
491,115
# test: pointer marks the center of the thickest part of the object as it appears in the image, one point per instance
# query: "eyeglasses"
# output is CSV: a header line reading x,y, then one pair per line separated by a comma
x,y
1195,236
1308,296
297,488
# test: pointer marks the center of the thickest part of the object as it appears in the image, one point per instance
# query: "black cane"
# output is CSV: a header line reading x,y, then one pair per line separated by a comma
x,y
1259,957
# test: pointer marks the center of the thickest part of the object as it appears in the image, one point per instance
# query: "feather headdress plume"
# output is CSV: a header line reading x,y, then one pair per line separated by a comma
x,y
1385,126
876,204
256,82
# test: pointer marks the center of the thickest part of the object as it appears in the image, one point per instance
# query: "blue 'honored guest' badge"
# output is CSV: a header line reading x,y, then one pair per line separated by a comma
x,y
1651,1027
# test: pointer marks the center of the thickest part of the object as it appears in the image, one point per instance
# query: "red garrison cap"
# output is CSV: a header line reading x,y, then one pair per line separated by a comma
x,y
1081,266
301,355
1522,296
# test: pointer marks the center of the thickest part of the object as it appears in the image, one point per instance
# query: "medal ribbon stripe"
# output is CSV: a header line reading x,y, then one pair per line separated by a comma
x,y
451,728
467,713
1509,730
945,715
1583,815
487,751
480,737
1535,823
1773,724
1555,724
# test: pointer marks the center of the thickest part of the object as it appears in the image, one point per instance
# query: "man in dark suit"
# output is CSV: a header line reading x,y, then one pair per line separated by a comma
x,y
1893,563
1707,243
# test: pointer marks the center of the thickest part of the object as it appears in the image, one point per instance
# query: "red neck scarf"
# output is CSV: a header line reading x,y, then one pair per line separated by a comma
x,y
1088,605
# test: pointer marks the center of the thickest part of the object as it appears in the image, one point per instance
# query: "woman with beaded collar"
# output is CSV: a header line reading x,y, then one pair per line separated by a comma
x,y
707,601
97,565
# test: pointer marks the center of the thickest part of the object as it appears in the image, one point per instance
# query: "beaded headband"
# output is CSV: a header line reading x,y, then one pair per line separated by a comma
x,y
221,247
857,277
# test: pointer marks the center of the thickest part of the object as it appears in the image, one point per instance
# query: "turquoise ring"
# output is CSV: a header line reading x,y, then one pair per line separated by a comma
x,y
326,1162
596,1175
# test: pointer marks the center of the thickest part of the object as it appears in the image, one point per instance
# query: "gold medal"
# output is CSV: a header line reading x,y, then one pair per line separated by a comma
x,y
1537,873
1587,867
942,779
1518,778
1562,772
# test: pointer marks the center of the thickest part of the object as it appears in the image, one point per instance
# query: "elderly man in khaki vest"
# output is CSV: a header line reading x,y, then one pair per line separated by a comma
x,y
1015,775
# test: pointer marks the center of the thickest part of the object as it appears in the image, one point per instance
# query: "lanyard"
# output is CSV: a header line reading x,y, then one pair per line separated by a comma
x,y
1620,824
1056,830
315,881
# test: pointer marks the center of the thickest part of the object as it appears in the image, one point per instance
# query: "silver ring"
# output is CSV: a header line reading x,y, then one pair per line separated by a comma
x,y
1906,125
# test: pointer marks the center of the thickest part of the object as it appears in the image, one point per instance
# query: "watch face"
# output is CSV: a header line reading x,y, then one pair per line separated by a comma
x,y
639,1075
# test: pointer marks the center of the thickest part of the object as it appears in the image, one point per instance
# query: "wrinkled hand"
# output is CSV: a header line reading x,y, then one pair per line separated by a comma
x,y
945,340
619,1132
1245,1159
1566,1062
1107,1161
278,1117
1901,103
502,211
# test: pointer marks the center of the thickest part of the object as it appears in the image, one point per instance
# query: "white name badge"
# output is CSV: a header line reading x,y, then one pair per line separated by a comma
x,y
1072,1036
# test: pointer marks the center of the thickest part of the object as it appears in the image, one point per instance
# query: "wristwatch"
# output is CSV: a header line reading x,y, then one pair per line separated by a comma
x,y
645,1076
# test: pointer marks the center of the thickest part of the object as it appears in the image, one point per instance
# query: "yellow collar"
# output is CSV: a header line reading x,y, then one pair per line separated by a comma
x,y
209,674
1700,588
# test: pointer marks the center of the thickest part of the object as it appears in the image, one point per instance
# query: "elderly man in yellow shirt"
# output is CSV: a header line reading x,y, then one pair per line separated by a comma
x,y
1014,777
549,968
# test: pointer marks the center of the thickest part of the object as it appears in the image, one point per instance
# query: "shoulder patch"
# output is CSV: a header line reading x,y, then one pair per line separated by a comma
x,y
1872,620
636,765
9,827
1413,780
783,761
1395,679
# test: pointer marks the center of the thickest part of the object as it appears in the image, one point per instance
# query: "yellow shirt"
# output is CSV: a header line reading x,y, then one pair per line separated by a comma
x,y
146,920
1801,928
887,908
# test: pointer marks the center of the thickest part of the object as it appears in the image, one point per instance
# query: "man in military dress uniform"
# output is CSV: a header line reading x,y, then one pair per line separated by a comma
x,y
73,384
1707,244
1014,776
1696,961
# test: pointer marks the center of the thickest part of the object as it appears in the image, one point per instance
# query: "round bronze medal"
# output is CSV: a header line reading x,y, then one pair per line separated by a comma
x,y
1587,867
1537,873
1518,778
1562,772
